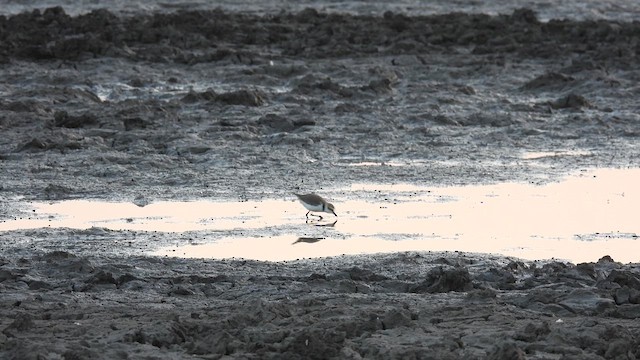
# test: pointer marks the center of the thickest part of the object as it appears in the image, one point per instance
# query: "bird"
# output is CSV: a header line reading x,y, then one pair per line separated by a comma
x,y
315,203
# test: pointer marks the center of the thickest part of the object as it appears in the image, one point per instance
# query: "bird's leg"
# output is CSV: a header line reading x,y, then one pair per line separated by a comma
x,y
308,212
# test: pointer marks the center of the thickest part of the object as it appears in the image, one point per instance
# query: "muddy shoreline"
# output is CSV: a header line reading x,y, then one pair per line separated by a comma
x,y
237,105
418,305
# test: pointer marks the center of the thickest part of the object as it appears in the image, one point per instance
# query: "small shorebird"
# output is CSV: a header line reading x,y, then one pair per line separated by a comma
x,y
315,203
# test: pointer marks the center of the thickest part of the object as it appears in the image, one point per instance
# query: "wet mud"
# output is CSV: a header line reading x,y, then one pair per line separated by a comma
x,y
408,305
225,104
183,104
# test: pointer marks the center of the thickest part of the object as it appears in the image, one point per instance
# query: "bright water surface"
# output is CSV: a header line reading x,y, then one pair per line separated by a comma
x,y
582,218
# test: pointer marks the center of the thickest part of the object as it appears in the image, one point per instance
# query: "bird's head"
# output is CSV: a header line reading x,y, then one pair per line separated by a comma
x,y
332,208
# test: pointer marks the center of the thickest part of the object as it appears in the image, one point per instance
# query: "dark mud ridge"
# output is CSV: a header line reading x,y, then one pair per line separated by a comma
x,y
209,36
408,305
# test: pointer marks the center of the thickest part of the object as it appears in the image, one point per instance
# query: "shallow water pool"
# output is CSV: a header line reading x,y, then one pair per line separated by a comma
x,y
583,217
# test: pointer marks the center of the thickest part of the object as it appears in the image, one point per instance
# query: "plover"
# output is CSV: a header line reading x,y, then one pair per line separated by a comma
x,y
315,203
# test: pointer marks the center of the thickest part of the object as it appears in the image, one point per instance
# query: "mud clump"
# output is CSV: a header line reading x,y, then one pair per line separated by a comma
x,y
571,101
63,119
549,81
444,280
240,97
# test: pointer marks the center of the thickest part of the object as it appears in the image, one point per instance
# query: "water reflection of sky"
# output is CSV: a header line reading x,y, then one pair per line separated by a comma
x,y
582,218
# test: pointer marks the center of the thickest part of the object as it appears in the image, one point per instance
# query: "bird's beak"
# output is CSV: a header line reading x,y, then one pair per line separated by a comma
x,y
334,213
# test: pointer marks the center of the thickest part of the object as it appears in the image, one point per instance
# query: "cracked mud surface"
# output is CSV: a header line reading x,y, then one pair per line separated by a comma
x,y
226,104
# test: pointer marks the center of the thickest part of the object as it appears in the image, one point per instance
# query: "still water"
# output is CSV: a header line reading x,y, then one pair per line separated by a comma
x,y
583,217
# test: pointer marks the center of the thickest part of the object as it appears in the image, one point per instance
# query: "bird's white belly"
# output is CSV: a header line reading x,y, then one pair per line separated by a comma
x,y
313,207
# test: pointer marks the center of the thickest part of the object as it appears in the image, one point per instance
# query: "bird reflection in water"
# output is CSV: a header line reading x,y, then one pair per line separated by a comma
x,y
308,240
315,222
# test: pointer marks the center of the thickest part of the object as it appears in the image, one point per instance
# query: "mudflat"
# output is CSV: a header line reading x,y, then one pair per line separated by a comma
x,y
239,103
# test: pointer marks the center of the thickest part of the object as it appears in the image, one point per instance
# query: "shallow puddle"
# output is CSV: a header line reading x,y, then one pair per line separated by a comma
x,y
584,217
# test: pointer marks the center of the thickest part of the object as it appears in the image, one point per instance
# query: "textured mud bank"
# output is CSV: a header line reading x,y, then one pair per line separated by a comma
x,y
429,306
223,104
